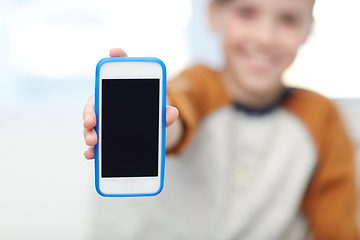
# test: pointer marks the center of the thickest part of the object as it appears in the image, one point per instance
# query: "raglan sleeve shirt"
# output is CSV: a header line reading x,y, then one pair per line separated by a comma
x,y
330,200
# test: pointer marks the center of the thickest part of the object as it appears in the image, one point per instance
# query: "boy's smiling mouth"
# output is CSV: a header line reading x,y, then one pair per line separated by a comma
x,y
258,62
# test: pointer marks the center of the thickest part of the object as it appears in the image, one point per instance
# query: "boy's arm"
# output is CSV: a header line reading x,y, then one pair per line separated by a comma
x,y
330,202
195,92
331,199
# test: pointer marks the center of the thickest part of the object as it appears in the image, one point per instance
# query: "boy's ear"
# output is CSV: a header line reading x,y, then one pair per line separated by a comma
x,y
212,15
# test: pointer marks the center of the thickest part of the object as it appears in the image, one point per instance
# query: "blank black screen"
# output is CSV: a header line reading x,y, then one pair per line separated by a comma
x,y
130,126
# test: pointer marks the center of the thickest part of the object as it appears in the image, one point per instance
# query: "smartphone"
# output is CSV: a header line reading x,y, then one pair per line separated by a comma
x,y
130,105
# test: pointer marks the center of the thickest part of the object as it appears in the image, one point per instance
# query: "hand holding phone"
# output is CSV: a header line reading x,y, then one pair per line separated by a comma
x,y
137,174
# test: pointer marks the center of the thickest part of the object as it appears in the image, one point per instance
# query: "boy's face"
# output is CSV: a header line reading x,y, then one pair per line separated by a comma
x,y
261,38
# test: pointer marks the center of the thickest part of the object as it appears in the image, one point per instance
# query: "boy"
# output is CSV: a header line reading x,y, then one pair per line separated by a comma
x,y
256,160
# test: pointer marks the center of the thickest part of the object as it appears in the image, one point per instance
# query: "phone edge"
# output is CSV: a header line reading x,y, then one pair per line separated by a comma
x,y
163,132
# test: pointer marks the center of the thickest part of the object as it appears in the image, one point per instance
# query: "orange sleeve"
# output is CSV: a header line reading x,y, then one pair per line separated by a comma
x,y
195,92
331,199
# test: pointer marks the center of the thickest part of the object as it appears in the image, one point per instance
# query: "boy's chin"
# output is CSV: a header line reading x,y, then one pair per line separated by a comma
x,y
260,88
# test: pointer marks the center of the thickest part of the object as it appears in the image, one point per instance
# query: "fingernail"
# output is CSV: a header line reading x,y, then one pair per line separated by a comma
x,y
86,117
87,135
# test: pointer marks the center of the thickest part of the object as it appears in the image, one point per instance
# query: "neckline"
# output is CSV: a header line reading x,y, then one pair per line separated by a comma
x,y
264,111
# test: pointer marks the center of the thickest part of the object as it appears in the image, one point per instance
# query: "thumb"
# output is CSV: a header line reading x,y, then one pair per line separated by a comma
x,y
117,52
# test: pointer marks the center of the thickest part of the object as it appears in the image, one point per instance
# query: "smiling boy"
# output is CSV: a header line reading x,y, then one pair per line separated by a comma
x,y
255,159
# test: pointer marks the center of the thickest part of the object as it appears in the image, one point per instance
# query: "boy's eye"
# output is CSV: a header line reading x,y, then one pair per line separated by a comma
x,y
290,20
246,12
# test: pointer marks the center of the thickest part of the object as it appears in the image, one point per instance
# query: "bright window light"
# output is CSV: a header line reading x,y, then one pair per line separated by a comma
x,y
59,40
329,62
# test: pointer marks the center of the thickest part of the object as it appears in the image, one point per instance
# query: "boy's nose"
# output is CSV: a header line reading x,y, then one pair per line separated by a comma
x,y
264,33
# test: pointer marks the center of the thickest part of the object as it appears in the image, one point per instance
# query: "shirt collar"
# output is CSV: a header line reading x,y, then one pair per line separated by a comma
x,y
260,112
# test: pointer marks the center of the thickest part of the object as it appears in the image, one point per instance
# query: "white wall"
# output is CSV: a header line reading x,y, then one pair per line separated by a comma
x,y
48,54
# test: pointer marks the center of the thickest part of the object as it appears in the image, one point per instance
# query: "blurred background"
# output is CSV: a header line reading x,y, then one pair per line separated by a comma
x,y
48,53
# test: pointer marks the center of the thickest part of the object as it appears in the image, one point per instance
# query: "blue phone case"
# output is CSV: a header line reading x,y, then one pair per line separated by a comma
x,y
163,108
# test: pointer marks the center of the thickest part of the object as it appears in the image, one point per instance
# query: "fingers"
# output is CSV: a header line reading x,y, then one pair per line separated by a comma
x,y
89,119
117,52
89,154
90,137
172,113
90,140
89,116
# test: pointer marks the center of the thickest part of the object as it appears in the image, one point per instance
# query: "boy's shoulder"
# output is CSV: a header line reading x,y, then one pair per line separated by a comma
x,y
308,96
316,111
310,103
